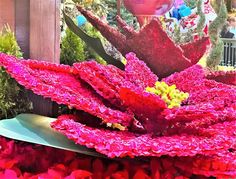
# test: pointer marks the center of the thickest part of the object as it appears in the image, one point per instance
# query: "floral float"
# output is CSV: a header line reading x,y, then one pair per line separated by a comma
x,y
179,116
131,120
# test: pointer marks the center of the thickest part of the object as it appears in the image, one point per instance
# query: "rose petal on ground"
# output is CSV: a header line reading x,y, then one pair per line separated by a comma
x,y
220,166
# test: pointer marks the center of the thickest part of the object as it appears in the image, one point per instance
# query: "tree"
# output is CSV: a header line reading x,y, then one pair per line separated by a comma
x,y
229,5
215,27
72,49
13,97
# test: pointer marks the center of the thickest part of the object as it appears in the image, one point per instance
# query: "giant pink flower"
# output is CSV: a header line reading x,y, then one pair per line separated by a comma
x,y
201,130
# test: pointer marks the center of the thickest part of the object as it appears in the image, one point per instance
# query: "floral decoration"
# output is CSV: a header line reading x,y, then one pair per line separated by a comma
x,y
196,137
157,48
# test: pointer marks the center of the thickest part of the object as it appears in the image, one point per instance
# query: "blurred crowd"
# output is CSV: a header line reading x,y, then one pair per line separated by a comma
x,y
229,29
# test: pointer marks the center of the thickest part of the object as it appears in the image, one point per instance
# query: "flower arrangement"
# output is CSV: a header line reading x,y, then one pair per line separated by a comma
x,y
179,117
201,129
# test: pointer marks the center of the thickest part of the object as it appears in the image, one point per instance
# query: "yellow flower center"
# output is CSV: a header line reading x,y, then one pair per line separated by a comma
x,y
170,94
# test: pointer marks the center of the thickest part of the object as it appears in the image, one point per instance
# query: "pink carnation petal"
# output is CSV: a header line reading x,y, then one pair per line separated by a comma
x,y
138,73
106,80
204,114
123,144
60,84
202,90
209,102
187,80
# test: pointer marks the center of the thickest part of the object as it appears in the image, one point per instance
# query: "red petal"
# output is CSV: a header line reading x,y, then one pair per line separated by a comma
x,y
55,174
121,174
80,174
143,103
98,166
140,174
222,166
112,168
159,52
7,164
146,106
195,50
155,168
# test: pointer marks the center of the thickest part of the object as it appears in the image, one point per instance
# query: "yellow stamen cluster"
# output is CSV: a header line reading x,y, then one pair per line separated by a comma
x,y
124,61
172,96
116,126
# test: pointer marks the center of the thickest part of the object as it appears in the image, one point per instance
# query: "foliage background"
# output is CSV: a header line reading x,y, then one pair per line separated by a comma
x,y
13,98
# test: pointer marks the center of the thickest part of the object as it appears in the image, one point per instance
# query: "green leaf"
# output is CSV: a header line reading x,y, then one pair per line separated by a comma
x,y
94,43
36,129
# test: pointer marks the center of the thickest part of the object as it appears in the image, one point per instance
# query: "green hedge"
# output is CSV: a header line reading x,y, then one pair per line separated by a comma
x,y
13,98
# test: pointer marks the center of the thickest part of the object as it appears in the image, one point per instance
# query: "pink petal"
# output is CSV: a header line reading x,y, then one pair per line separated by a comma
x,y
123,144
60,84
